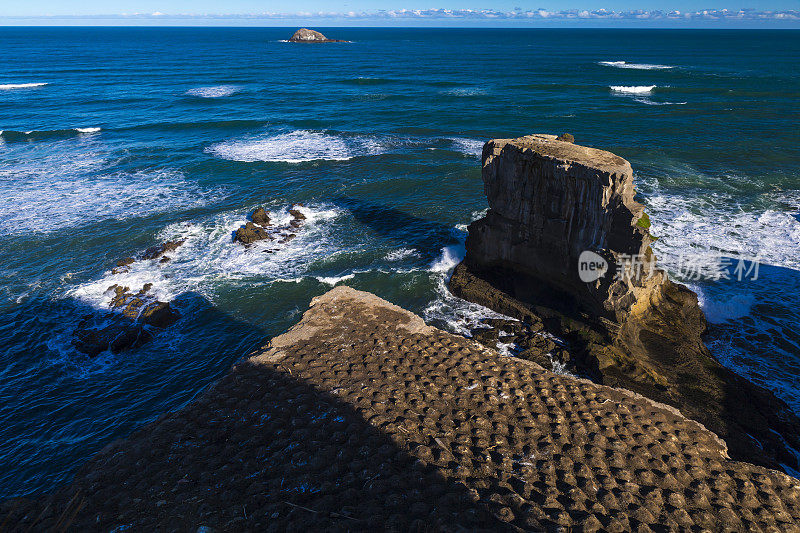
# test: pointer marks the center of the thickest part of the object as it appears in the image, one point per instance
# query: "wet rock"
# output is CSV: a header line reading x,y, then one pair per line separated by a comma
x,y
125,327
550,201
297,214
566,137
154,252
93,336
260,217
250,233
486,336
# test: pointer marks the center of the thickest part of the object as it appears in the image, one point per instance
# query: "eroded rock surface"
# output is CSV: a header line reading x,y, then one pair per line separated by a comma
x,y
550,201
362,418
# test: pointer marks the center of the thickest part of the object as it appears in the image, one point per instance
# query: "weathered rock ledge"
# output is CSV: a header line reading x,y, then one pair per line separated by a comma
x,y
363,418
552,201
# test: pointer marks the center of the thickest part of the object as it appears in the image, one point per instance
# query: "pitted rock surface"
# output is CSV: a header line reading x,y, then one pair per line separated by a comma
x,y
361,417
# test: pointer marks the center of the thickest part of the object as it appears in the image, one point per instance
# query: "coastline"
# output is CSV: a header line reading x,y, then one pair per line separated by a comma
x,y
361,416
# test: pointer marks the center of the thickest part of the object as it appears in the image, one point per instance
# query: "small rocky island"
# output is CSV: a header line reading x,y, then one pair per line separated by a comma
x,y
304,35
362,417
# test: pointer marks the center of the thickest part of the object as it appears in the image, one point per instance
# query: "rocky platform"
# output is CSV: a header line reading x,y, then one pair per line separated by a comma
x,y
361,418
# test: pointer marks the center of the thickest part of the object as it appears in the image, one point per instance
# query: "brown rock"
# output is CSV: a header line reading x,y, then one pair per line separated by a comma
x,y
250,233
154,252
260,217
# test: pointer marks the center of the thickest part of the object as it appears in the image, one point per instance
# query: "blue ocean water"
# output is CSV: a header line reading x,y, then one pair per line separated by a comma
x,y
116,139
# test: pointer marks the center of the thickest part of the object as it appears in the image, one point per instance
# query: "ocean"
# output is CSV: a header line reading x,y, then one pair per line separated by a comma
x,y
117,139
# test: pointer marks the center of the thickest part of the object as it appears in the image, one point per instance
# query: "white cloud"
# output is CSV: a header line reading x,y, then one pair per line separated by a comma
x,y
467,15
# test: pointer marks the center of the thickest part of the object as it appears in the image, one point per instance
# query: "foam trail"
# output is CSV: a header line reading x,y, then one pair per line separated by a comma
x,y
632,89
636,66
217,91
296,147
468,146
10,86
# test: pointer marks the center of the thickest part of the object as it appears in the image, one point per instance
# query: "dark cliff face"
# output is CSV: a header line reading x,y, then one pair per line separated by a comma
x,y
550,203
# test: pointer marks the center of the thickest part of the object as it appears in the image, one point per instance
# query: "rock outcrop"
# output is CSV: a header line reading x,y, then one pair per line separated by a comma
x,y
304,35
133,318
565,245
363,418
260,228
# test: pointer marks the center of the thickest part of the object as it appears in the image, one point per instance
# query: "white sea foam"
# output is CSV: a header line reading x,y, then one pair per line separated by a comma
x,y
217,91
9,86
451,256
716,225
637,66
333,280
468,146
296,147
647,101
632,89
209,257
87,130
466,91
46,187
400,254
731,307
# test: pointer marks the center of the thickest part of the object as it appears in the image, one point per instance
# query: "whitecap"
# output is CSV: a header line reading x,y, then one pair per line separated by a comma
x,y
400,254
9,86
296,147
636,66
466,91
333,280
87,130
468,146
632,89
217,91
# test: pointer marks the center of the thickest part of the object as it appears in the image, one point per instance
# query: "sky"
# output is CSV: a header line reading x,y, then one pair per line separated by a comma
x,y
687,13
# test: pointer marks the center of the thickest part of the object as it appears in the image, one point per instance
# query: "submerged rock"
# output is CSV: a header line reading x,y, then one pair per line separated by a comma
x,y
125,327
564,244
304,35
154,252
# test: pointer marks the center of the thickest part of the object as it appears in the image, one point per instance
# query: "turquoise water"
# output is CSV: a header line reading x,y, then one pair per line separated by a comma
x,y
117,139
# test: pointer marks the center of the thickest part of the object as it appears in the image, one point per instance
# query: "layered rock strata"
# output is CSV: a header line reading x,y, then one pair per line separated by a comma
x,y
566,248
362,418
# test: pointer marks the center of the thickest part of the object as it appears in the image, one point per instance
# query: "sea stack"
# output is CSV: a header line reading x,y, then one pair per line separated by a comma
x,y
304,35
564,244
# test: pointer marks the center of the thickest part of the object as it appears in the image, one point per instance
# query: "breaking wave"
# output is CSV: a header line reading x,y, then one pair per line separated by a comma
x,y
637,66
632,89
296,147
10,86
217,91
